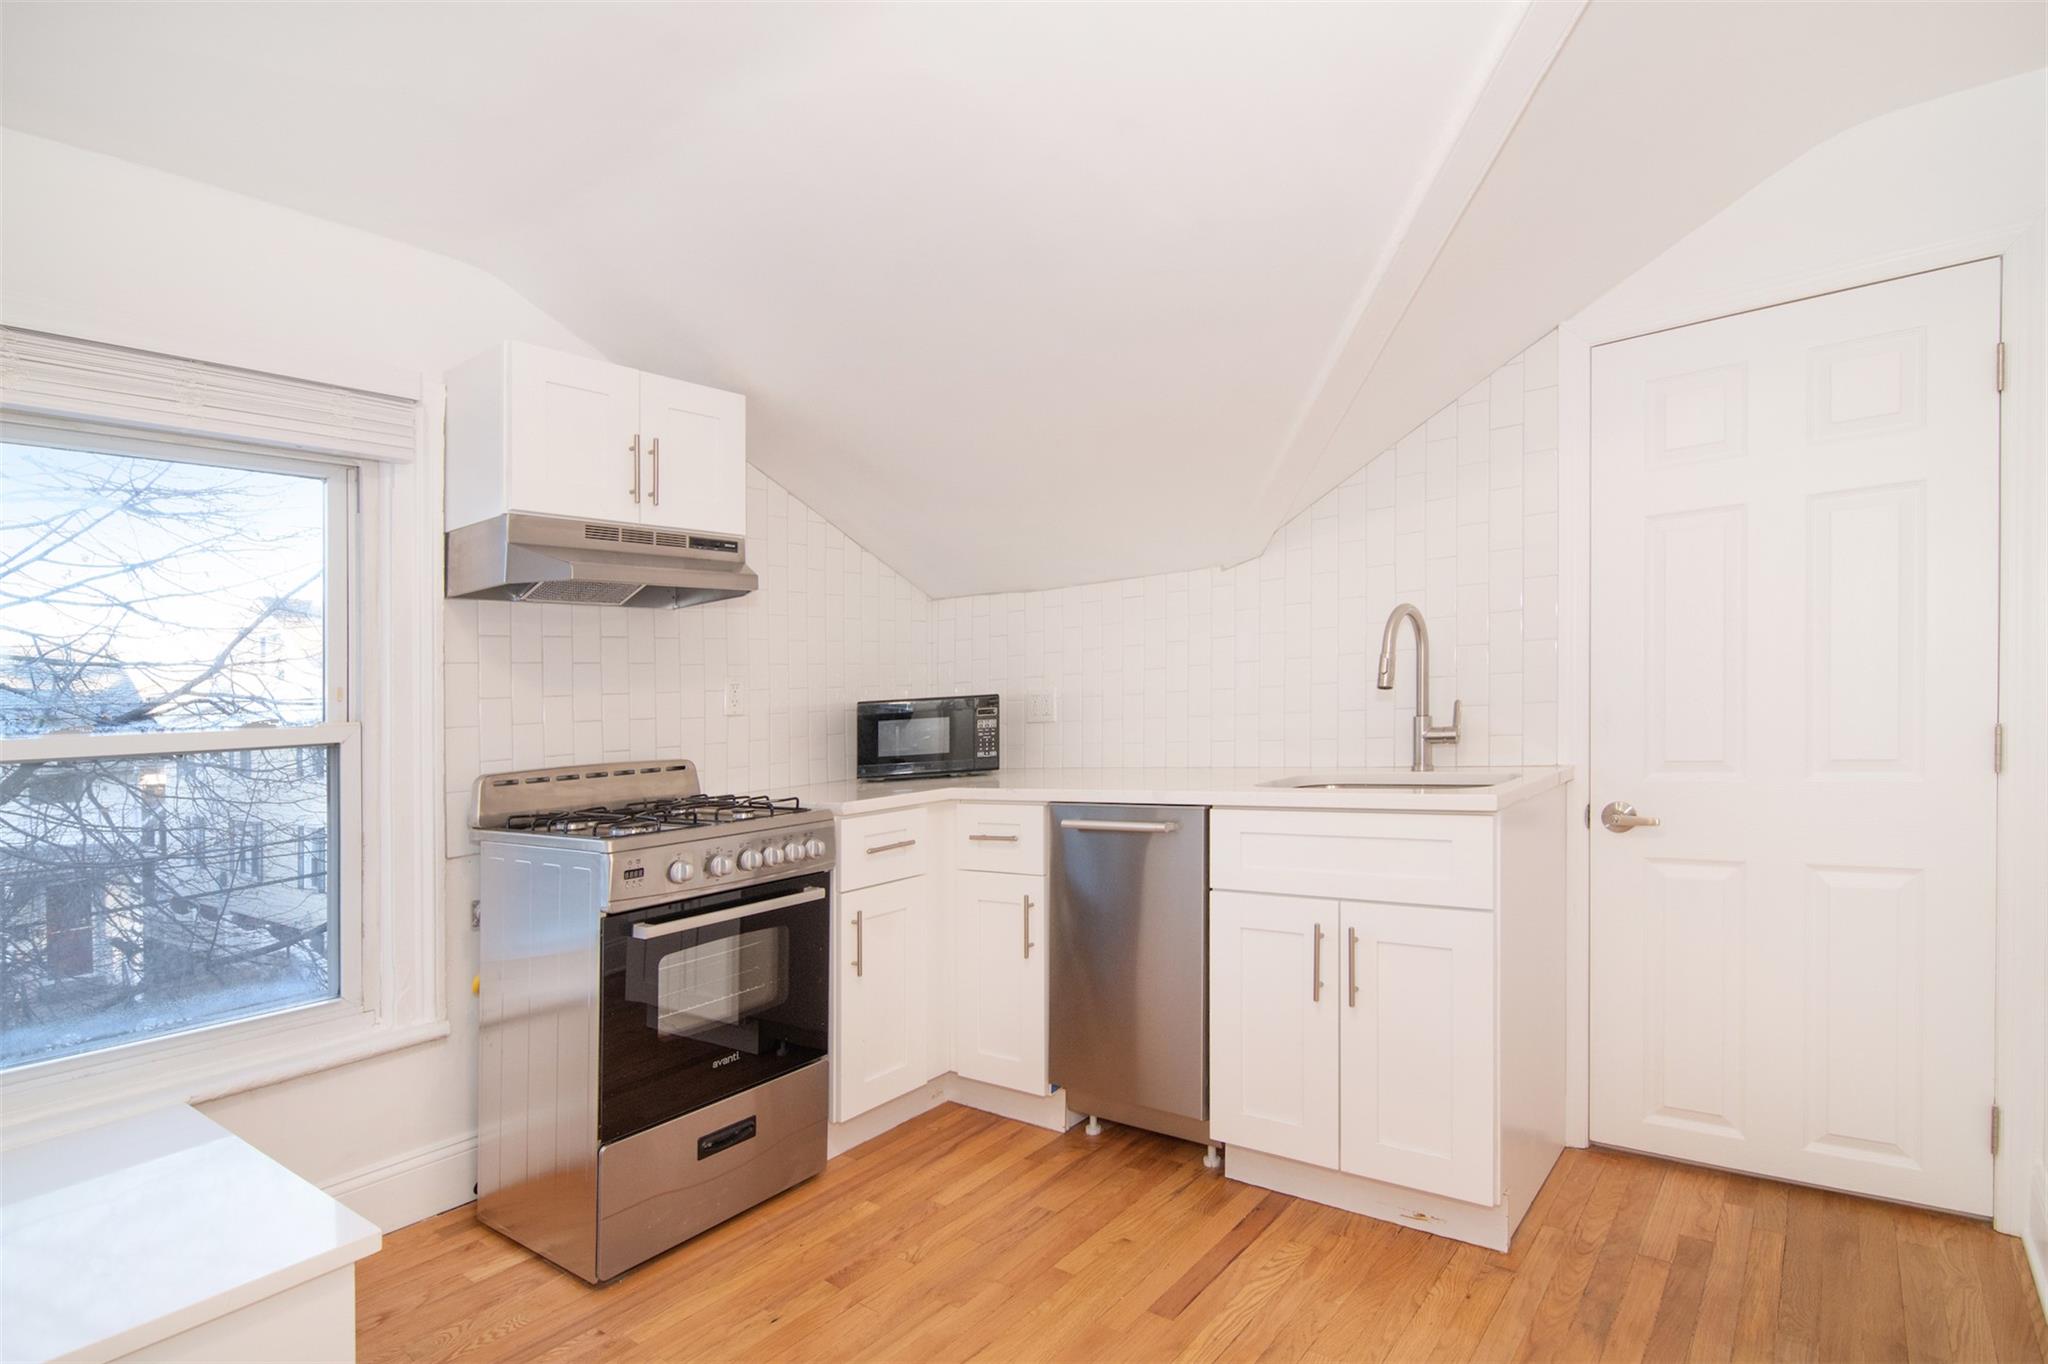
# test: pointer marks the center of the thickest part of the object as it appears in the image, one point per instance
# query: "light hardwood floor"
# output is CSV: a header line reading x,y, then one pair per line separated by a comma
x,y
961,1235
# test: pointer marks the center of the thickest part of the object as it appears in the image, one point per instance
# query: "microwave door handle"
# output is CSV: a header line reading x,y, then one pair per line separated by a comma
x,y
662,929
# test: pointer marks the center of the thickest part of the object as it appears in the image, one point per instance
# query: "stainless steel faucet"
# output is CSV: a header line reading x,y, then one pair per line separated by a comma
x,y
1425,733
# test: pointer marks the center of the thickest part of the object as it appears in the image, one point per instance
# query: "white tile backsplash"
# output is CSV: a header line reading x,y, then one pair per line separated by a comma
x,y
1267,663
1458,517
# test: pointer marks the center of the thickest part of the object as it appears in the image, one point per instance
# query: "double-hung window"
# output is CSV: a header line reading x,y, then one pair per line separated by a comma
x,y
176,629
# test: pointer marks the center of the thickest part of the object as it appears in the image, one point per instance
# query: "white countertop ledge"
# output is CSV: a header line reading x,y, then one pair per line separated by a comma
x,y
120,1236
1230,787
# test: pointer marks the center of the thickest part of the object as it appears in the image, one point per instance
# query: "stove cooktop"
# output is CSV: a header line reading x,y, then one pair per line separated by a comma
x,y
654,816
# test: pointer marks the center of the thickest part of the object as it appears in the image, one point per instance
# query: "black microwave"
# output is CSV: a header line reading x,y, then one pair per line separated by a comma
x,y
932,736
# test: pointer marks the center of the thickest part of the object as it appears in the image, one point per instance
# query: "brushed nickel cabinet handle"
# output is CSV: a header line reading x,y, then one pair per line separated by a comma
x,y
991,838
635,449
1352,948
654,459
857,944
892,847
1315,992
1027,928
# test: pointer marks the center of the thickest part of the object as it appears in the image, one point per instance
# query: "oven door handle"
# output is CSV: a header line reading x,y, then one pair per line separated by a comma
x,y
663,929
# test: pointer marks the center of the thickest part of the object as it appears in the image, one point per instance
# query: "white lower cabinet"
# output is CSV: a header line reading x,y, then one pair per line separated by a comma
x,y
998,923
1273,1035
1416,1049
883,979
1356,1037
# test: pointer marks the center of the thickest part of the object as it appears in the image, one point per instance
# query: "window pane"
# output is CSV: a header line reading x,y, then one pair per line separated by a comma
x,y
141,896
149,594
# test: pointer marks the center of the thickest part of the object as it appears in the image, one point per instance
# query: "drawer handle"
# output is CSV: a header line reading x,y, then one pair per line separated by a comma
x,y
856,942
991,838
892,847
1027,928
1121,826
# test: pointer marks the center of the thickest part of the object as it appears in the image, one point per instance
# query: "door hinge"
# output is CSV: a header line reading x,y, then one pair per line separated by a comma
x,y
1997,748
1997,1122
2001,367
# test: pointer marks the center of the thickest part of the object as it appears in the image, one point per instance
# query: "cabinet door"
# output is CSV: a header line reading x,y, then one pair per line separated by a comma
x,y
1418,1048
1273,1006
695,442
885,1029
999,979
571,426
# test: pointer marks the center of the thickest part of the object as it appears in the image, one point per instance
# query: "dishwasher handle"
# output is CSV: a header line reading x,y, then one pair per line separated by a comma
x,y
1122,826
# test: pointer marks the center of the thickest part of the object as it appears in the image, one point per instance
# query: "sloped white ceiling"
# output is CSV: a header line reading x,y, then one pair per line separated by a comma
x,y
1020,295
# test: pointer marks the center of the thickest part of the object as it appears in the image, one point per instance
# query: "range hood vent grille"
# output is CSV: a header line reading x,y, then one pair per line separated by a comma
x,y
593,531
581,593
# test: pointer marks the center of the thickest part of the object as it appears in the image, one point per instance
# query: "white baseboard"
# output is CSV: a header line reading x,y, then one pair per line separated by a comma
x,y
1040,1110
2035,1238
418,1184
1492,1228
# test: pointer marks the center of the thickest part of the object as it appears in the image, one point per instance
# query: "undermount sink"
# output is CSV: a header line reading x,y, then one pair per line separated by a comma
x,y
1378,778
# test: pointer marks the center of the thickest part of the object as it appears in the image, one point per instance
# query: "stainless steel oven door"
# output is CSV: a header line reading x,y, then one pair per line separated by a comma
x,y
709,997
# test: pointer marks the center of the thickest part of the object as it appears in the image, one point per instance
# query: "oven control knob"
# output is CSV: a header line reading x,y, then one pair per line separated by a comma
x,y
680,870
816,847
773,854
795,851
749,860
719,864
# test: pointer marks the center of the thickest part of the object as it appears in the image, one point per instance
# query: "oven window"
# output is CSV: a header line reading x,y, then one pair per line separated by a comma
x,y
923,737
718,989
694,1015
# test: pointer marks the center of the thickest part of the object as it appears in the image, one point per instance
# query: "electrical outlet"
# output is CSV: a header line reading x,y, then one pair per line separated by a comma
x,y
1041,707
735,698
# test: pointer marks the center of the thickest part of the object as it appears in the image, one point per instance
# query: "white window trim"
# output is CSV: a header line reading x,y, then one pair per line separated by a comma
x,y
394,993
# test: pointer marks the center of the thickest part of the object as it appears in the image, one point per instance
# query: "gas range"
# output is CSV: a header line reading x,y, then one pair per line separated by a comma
x,y
664,837
654,1006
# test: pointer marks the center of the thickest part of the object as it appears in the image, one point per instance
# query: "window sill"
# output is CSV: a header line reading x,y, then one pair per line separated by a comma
x,y
52,1098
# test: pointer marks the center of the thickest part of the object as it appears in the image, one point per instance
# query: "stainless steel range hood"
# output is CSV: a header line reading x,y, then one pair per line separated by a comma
x,y
519,557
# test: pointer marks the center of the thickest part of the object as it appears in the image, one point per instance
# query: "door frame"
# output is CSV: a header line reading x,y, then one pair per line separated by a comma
x,y
2019,1181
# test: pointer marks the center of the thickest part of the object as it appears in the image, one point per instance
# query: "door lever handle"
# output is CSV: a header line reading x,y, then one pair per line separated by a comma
x,y
1620,816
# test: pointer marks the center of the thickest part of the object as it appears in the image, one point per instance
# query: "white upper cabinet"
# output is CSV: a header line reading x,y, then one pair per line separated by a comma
x,y
540,431
694,440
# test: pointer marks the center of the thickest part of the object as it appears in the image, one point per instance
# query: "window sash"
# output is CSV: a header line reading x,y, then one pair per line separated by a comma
x,y
343,545
341,732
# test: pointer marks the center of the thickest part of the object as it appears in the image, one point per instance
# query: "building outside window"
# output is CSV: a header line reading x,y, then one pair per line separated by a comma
x,y
174,635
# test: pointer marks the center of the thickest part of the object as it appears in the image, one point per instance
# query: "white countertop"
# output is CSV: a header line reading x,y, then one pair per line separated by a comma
x,y
1240,787
120,1236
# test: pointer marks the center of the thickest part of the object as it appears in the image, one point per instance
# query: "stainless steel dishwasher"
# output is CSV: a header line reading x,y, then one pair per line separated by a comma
x,y
1130,965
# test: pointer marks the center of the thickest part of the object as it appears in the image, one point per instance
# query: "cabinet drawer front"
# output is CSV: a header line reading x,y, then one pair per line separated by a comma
x,y
1007,838
1341,855
874,849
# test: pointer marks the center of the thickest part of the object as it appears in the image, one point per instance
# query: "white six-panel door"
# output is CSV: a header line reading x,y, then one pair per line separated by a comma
x,y
1273,1001
1794,649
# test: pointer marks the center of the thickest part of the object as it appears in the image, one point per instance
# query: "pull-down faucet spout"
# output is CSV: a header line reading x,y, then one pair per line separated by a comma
x,y
1425,733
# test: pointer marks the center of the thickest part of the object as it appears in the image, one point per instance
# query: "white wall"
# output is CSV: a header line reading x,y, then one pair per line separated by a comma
x,y
1270,663
105,249
533,686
